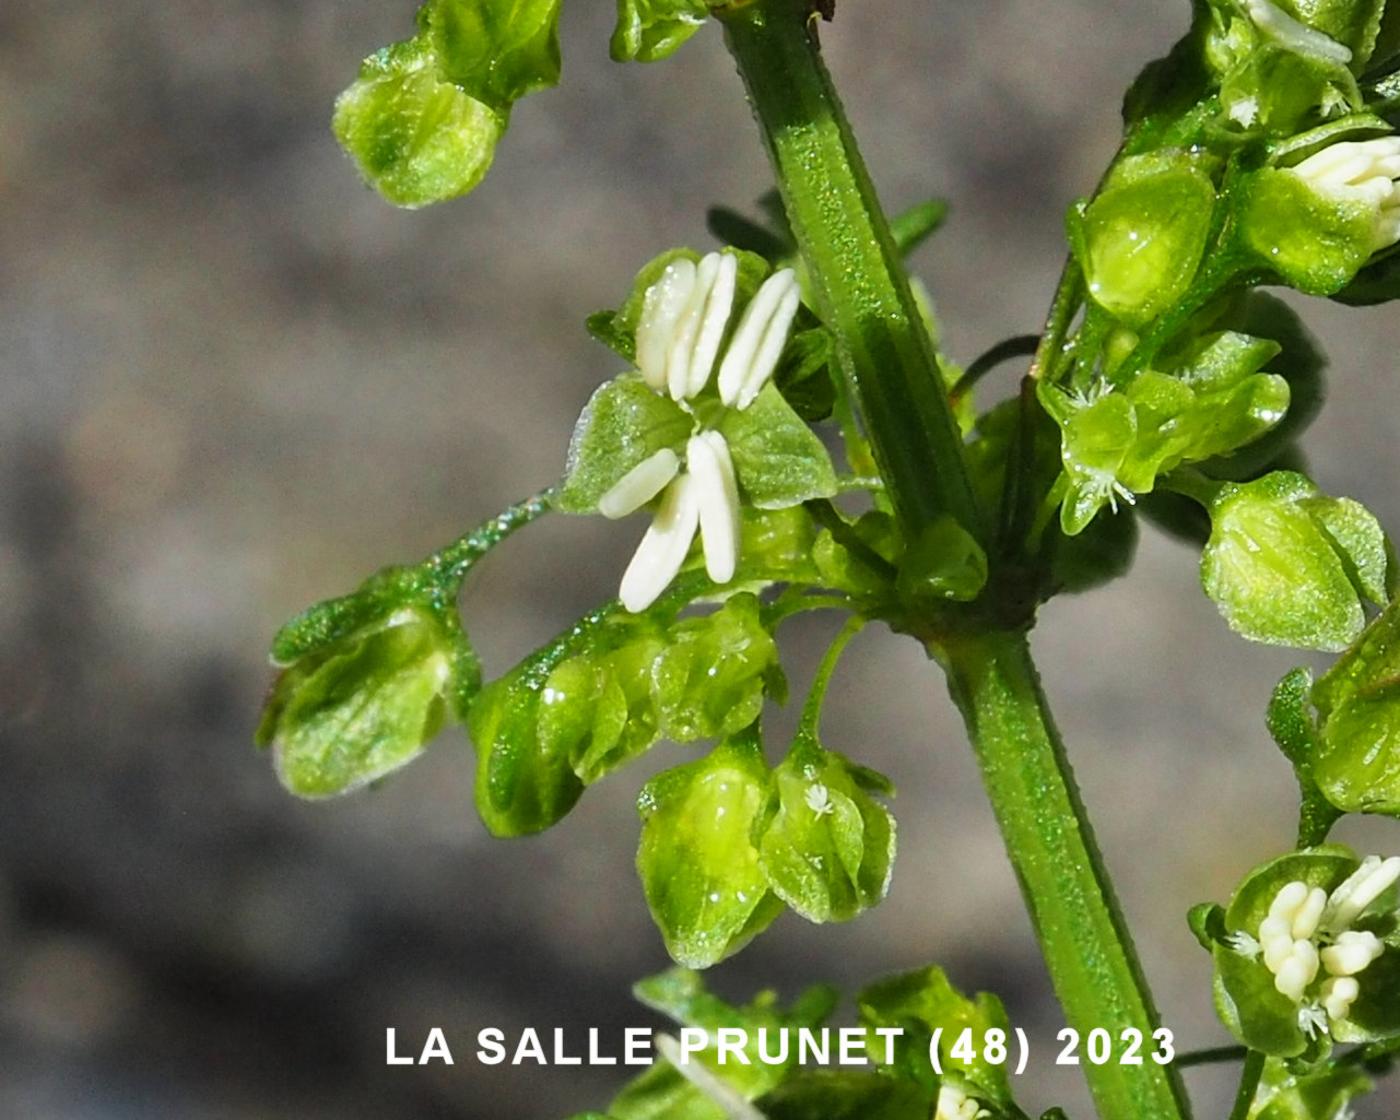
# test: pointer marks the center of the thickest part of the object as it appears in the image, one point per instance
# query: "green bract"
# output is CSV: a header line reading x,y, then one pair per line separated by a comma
x,y
923,1001
1321,1095
1290,566
648,30
1357,760
424,117
358,705
702,875
827,847
1144,234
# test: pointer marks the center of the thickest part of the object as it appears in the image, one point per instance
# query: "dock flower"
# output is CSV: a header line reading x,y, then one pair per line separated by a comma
x,y
699,427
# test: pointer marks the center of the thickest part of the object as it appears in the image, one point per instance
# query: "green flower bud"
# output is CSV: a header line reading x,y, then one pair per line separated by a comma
x,y
1144,235
1290,566
828,846
701,873
946,564
361,705
1304,953
1317,223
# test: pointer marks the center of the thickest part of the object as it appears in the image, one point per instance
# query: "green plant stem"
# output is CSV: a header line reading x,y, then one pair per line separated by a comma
x,y
451,564
887,358
1082,931
860,286
1211,1057
1249,1085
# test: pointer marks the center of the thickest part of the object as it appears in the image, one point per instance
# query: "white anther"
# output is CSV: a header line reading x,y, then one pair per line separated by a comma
x,y
717,496
1338,994
1306,917
701,325
759,339
954,1104
1298,971
1353,953
663,549
1276,940
640,485
662,307
1364,172
1372,879
1289,33
1289,901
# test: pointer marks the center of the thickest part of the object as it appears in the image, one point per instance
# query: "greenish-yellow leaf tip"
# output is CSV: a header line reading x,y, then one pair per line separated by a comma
x,y
361,707
416,138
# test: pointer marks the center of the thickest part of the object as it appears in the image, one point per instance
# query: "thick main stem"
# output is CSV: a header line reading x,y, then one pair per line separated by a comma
x,y
1081,929
864,298
859,284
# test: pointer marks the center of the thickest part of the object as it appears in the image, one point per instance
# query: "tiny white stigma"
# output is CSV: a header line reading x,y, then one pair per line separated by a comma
x,y
1312,1019
1245,111
818,799
1244,945
759,339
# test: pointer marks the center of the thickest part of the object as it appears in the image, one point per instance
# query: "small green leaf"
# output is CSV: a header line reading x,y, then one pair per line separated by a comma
x,y
923,1001
361,706
1323,1094
912,227
495,51
828,847
649,30
778,459
416,137
1277,572
699,868
623,423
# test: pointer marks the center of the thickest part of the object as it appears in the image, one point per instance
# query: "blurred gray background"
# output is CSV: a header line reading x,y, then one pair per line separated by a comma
x,y
235,382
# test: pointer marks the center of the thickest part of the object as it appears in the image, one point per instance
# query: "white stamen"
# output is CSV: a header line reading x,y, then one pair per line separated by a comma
x,y
1289,33
640,485
759,339
1372,879
1361,171
954,1104
717,496
1338,994
1353,953
661,308
663,550
1306,917
711,298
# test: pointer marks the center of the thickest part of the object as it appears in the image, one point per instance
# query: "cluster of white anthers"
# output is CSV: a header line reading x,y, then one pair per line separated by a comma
x,y
1363,171
954,1104
1308,930
685,316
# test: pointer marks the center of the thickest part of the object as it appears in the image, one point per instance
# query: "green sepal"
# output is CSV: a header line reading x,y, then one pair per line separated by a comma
x,y
1246,999
495,51
624,423
1288,566
922,1001
360,705
1321,1094
1096,437
416,137
700,871
1144,235
650,30
1207,923
826,846
779,461
849,569
1315,242
820,1094
1357,763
